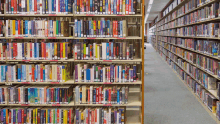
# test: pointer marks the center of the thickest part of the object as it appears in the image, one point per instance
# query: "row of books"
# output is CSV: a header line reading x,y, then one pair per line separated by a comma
x,y
37,28
20,94
206,63
104,51
36,50
100,28
204,46
38,7
208,99
100,73
36,115
105,7
198,88
101,95
34,73
100,115
202,30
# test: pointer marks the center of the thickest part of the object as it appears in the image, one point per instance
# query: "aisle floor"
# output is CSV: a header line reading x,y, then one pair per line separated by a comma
x,y
167,100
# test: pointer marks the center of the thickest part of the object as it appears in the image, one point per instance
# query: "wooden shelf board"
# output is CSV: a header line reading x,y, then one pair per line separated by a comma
x,y
38,15
114,83
95,15
129,37
39,38
67,82
55,105
135,103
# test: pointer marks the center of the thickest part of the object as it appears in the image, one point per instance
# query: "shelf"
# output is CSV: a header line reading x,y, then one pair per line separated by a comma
x,y
213,92
112,61
129,37
103,15
61,83
29,105
215,76
39,37
38,15
134,103
110,83
195,51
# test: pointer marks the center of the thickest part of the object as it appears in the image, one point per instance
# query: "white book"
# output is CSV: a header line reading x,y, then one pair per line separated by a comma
x,y
103,51
118,118
120,73
32,8
98,112
57,7
61,75
6,29
85,67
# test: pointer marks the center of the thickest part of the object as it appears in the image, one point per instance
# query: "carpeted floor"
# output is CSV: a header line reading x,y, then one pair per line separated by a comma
x,y
167,100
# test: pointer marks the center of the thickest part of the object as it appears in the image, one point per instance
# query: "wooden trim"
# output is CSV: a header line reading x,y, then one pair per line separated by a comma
x,y
142,99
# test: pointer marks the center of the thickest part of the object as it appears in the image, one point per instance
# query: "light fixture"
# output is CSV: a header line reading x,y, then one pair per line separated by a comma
x,y
148,10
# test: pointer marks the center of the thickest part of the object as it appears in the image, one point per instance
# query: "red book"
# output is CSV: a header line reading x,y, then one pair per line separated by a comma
x,y
30,50
41,73
114,52
109,95
15,6
87,5
19,25
90,51
35,6
14,50
92,117
116,28
9,116
33,73
96,116
70,114
100,93
61,50
97,95
52,94
118,9
22,116
58,6
110,52
129,7
4,53
58,114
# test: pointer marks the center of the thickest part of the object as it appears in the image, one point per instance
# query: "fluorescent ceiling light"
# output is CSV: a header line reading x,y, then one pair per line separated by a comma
x,y
148,10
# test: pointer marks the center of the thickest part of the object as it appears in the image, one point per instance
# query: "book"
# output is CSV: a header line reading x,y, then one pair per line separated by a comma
x,y
101,28
101,95
39,7
37,28
106,73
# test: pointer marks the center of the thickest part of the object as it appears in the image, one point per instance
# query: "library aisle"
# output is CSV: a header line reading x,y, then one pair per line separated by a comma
x,y
167,99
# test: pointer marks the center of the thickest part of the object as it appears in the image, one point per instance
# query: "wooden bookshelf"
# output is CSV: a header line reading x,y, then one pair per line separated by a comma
x,y
135,97
164,46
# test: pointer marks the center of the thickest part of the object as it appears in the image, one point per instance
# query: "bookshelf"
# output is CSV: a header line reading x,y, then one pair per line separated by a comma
x,y
191,53
48,83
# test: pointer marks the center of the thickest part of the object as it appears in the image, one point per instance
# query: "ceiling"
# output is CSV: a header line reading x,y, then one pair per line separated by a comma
x,y
156,8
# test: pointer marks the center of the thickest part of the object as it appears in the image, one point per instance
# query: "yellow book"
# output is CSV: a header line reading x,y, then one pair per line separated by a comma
x,y
13,27
54,28
55,50
50,72
123,7
34,116
46,116
96,53
82,116
64,50
94,28
64,74
99,27
28,6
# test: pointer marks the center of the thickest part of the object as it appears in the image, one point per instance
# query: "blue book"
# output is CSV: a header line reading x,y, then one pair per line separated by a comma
x,y
66,6
35,51
29,95
115,7
44,74
90,6
4,115
80,96
1,96
94,96
112,51
134,72
48,116
106,95
16,26
36,94
77,116
35,73
52,6
123,73
118,96
87,75
19,74
106,7
107,51
101,28
79,28
26,28
132,6
101,75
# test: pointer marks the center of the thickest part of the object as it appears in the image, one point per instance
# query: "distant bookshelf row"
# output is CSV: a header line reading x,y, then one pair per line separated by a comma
x,y
204,95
